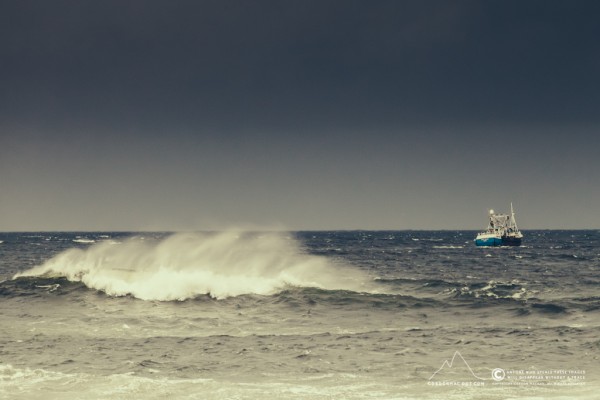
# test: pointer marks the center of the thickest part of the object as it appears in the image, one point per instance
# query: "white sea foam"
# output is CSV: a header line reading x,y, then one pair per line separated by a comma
x,y
82,240
40,384
186,265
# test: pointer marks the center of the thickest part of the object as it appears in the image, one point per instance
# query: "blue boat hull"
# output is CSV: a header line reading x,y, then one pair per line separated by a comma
x,y
492,241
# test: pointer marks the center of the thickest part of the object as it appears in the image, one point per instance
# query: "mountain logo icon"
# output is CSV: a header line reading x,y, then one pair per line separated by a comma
x,y
455,367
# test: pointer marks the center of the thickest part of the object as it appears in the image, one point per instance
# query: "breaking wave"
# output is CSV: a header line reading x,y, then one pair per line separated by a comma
x,y
187,265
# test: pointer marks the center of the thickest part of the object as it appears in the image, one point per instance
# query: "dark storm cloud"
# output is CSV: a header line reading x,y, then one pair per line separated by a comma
x,y
275,63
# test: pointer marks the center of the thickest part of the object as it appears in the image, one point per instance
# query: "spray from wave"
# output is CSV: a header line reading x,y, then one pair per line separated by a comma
x,y
187,265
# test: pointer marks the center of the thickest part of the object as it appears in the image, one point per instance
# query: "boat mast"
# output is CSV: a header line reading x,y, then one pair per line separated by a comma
x,y
514,221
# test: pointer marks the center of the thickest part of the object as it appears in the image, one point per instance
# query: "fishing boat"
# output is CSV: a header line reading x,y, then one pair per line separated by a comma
x,y
502,230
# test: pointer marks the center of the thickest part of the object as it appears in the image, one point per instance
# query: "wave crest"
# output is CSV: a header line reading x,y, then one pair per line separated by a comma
x,y
186,265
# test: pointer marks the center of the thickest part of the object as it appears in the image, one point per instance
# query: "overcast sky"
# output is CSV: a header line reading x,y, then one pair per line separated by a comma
x,y
178,115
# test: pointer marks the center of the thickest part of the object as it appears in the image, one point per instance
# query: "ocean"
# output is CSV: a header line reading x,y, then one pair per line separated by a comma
x,y
298,315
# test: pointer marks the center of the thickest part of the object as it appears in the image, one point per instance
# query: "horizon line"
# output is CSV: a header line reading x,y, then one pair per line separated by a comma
x,y
279,230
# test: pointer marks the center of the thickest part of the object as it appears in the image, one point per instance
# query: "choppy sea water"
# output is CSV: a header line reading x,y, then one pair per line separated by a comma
x,y
300,315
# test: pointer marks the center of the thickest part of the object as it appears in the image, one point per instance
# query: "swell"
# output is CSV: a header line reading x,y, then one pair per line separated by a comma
x,y
306,298
301,298
513,296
